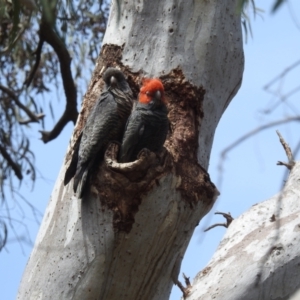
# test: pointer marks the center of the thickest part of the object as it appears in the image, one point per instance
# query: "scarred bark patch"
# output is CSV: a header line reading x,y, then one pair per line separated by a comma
x,y
185,115
120,187
122,191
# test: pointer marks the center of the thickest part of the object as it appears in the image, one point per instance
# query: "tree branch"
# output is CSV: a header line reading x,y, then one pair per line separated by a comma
x,y
38,116
10,161
48,136
185,291
247,136
187,280
257,130
282,74
70,114
3,239
32,116
288,152
228,218
38,52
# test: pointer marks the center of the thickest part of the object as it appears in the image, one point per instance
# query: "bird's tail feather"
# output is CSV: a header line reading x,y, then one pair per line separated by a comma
x,y
82,184
80,179
70,172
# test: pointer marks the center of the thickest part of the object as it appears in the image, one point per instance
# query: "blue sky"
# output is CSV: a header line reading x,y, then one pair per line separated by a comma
x,y
250,174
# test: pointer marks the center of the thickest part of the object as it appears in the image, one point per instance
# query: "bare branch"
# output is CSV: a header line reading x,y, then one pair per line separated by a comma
x,y
38,52
257,130
282,74
286,147
293,15
32,116
282,99
11,162
215,225
48,136
187,280
25,122
288,152
70,114
247,136
3,239
185,290
228,218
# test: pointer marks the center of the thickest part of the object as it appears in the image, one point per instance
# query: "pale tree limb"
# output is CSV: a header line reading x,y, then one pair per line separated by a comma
x,y
258,258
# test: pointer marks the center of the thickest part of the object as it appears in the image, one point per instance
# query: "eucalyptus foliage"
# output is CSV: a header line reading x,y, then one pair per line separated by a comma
x,y
43,48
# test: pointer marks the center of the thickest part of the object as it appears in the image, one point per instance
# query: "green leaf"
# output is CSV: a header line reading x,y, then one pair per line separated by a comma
x,y
49,11
16,19
241,4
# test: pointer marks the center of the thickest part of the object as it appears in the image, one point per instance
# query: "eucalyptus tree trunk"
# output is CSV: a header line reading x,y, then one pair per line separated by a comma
x,y
127,237
259,257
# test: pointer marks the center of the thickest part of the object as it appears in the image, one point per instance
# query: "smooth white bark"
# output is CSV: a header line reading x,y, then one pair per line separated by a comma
x,y
258,258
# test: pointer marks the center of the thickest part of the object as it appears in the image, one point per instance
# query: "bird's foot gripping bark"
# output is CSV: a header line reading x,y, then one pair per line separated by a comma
x,y
120,186
145,159
149,166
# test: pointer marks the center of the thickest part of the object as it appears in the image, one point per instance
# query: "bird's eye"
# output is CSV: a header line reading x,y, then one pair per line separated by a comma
x,y
147,93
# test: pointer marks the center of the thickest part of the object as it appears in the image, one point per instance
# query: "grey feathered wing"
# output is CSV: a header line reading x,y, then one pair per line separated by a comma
x,y
133,131
100,126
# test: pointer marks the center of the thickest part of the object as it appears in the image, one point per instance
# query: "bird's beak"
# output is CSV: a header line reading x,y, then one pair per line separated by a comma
x,y
157,95
113,81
